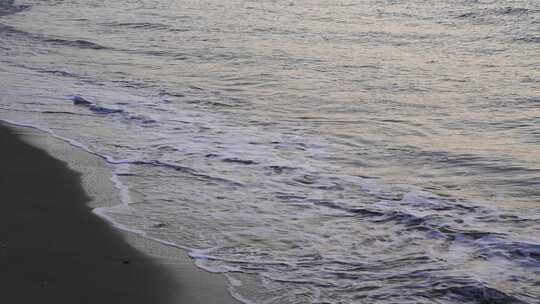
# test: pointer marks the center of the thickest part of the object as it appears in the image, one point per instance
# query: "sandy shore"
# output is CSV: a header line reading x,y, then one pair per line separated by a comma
x,y
53,249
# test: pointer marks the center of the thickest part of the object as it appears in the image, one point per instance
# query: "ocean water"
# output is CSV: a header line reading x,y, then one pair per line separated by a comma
x,y
324,151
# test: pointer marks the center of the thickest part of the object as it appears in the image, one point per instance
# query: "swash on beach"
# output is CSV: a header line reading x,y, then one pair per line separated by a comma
x,y
324,151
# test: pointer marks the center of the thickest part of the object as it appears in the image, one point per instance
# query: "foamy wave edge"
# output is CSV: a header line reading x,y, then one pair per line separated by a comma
x,y
125,201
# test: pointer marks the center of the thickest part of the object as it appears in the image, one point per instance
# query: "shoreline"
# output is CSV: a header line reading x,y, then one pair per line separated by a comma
x,y
54,249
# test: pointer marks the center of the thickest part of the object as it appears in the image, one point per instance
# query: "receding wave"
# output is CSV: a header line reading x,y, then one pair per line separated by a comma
x,y
77,43
508,11
138,25
105,110
59,73
10,30
239,161
531,39
516,11
83,44
476,293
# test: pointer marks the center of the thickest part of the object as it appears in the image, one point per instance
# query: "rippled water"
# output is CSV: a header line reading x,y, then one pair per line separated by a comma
x,y
376,151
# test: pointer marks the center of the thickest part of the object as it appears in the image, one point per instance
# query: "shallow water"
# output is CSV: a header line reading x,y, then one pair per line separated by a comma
x,y
314,152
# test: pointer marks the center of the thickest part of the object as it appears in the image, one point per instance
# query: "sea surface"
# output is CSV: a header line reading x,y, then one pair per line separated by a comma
x,y
323,151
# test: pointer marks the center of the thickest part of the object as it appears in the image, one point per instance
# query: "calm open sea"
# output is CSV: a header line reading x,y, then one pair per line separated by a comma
x,y
323,151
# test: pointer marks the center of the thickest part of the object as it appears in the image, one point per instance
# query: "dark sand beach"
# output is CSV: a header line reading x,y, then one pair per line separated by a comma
x,y
53,249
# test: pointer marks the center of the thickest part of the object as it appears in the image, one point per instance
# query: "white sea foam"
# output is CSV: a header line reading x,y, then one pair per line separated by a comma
x,y
122,166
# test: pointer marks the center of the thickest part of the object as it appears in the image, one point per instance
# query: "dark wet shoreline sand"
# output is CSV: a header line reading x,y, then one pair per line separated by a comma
x,y
53,249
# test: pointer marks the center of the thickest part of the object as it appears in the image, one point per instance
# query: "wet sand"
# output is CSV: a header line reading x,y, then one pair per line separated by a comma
x,y
53,249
